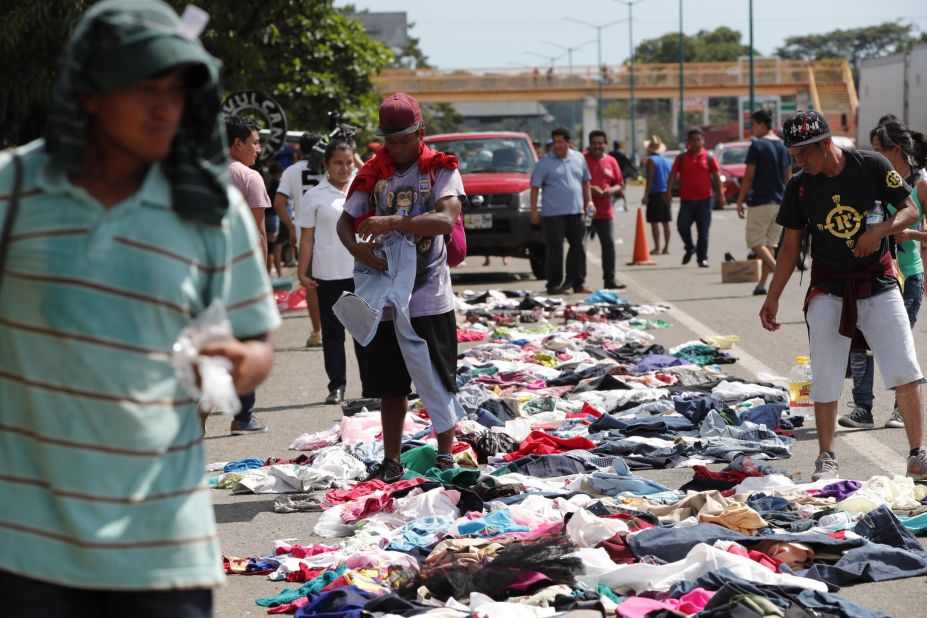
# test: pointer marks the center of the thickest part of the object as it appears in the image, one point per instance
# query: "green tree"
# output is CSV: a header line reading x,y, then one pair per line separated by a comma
x,y
304,53
855,45
721,44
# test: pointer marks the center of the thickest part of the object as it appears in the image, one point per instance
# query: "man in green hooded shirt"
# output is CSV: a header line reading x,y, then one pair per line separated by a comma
x,y
118,229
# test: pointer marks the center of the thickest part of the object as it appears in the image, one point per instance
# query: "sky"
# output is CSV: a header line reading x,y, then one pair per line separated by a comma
x,y
501,33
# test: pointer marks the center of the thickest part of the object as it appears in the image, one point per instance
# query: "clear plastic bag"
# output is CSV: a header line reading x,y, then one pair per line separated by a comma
x,y
216,390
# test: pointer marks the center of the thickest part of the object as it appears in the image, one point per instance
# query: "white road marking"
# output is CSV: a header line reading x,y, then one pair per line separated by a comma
x,y
876,453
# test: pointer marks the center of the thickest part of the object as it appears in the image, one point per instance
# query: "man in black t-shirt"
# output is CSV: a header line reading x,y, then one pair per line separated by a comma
x,y
838,198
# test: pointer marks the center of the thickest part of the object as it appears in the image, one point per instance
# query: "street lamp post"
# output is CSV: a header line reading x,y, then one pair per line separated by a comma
x,y
598,32
631,4
752,77
682,77
545,57
569,50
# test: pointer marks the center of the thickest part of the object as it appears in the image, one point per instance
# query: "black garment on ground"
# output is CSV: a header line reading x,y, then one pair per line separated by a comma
x,y
499,408
835,210
488,443
392,603
572,378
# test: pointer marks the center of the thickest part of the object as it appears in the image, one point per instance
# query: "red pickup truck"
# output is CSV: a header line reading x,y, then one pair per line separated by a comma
x,y
496,170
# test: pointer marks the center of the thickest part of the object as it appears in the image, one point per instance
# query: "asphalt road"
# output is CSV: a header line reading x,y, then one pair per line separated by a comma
x,y
290,401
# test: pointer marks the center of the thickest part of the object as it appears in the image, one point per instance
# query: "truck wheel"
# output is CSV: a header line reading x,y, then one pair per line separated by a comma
x,y
536,256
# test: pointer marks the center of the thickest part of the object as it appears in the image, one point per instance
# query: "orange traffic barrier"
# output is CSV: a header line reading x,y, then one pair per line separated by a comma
x,y
641,244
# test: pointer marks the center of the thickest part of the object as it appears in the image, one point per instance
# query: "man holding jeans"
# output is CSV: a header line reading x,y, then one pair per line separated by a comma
x,y
837,198
697,171
564,176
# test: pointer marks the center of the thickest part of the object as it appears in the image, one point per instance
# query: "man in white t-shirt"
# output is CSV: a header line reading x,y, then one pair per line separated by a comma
x,y
296,180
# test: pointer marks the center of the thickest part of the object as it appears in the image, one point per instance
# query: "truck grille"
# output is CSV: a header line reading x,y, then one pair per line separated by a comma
x,y
481,200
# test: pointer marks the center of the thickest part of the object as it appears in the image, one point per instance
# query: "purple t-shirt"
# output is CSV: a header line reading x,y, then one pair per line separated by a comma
x,y
250,183
409,194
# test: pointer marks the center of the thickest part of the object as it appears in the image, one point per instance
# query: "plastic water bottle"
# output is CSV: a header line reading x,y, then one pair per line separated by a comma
x,y
800,403
876,215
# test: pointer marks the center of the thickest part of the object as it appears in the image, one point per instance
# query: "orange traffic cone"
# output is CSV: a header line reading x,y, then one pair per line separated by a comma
x,y
641,245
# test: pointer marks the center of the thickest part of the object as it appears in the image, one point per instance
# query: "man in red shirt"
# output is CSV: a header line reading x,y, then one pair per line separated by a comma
x,y
607,182
697,171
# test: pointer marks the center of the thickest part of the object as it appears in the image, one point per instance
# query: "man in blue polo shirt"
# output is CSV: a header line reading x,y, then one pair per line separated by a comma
x,y
564,176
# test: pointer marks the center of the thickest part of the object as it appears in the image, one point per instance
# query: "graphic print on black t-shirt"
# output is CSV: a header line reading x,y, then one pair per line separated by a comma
x,y
835,208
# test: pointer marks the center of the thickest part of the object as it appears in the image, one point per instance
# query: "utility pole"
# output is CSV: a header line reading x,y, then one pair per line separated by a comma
x,y
752,75
570,50
682,76
631,4
598,31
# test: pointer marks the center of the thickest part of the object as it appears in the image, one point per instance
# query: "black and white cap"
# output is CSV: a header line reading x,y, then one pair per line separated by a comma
x,y
803,128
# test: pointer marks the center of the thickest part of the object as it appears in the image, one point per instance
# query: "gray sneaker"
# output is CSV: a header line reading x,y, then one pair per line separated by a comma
x,y
895,421
826,467
917,466
858,418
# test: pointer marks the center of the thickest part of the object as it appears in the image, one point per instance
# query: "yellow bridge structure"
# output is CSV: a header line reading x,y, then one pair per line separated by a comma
x,y
826,85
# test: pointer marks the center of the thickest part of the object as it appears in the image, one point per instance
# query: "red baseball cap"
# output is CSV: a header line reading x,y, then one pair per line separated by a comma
x,y
400,113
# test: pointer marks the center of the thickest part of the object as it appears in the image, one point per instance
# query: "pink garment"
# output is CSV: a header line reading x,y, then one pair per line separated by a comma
x,y
360,509
358,429
757,556
250,184
456,244
300,551
470,335
691,603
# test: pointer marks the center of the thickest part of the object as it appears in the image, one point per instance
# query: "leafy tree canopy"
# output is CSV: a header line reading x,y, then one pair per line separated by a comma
x,y
855,44
721,44
304,53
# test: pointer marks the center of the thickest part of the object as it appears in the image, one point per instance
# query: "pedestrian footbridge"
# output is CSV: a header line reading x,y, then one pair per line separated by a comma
x,y
826,85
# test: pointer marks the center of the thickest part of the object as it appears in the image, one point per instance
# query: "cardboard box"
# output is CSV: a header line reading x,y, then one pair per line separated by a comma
x,y
741,271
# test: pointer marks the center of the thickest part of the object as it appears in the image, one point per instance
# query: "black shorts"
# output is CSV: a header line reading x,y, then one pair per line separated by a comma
x,y
385,373
657,209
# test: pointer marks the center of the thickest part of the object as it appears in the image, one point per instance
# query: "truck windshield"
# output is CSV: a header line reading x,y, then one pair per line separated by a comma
x,y
489,155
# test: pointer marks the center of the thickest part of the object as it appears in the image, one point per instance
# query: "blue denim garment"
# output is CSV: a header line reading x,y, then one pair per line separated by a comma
x,y
872,562
672,544
624,483
362,310
883,526
728,585
767,414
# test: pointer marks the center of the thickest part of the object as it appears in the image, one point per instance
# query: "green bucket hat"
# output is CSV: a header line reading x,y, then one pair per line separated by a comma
x,y
118,43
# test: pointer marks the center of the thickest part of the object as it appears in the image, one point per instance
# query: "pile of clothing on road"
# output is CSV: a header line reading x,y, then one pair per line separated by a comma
x,y
546,513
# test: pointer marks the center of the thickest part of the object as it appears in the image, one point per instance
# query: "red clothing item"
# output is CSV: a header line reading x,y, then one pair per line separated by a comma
x,y
540,443
695,175
759,557
605,173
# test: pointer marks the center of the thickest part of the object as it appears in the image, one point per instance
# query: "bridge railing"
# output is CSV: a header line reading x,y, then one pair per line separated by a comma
x,y
707,74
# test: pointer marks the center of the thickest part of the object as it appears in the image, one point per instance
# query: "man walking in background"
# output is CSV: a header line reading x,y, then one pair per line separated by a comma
x,y
563,175
606,182
296,180
244,148
768,169
697,171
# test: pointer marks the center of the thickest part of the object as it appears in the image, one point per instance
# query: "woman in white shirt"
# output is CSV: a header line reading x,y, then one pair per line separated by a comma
x,y
324,263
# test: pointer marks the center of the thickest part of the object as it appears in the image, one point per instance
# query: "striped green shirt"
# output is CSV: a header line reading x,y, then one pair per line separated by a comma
x,y
101,459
